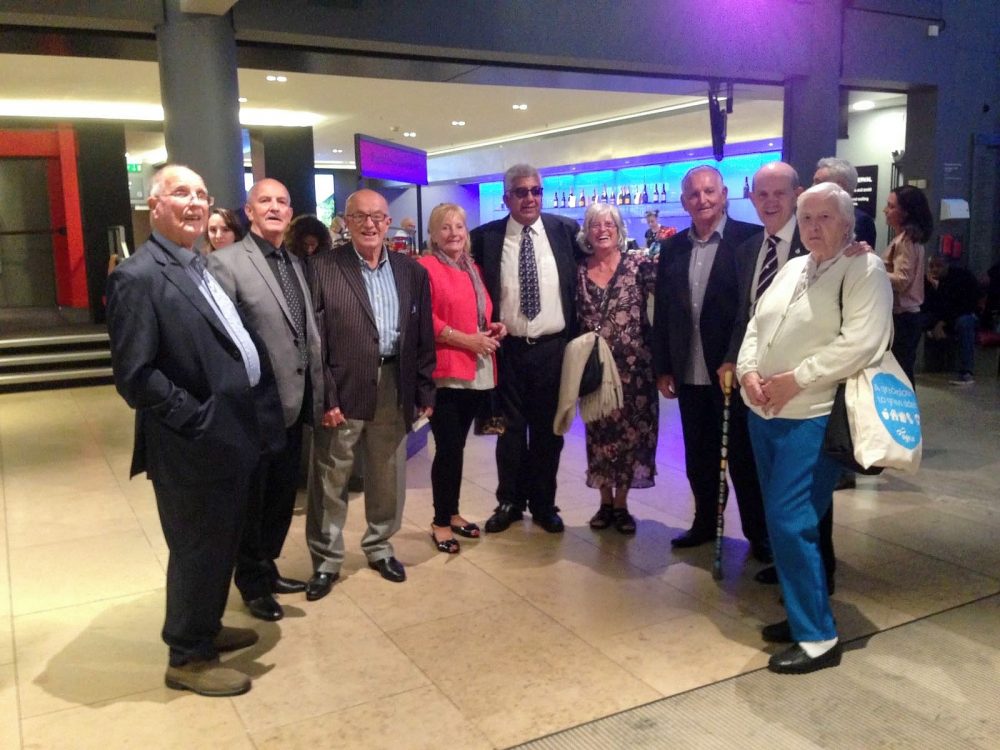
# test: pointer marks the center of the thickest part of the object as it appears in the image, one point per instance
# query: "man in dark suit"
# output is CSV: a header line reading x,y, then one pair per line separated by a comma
x,y
528,262
374,311
697,303
206,407
268,285
843,173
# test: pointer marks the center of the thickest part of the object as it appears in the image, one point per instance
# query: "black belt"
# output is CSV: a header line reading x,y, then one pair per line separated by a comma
x,y
387,360
532,340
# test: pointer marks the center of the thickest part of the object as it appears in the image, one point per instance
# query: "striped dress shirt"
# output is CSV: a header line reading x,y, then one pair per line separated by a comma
x,y
380,286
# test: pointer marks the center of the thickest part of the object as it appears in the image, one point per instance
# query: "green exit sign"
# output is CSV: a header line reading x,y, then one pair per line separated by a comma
x,y
133,167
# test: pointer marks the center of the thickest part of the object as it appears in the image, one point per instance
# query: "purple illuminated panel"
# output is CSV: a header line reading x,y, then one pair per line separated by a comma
x,y
383,160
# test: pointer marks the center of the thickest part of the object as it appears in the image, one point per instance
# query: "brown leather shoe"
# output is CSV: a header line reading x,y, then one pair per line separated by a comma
x,y
233,639
207,678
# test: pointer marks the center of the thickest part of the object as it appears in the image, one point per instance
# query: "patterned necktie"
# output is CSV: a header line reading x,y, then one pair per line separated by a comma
x,y
286,277
527,276
770,266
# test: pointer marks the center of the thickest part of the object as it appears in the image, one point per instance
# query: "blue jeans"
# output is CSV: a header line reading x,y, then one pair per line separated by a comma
x,y
797,480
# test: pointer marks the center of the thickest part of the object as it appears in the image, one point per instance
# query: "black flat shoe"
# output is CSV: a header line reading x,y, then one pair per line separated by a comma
x,y
692,538
624,523
767,576
448,546
779,632
265,608
796,661
319,585
389,568
284,585
502,518
468,530
603,518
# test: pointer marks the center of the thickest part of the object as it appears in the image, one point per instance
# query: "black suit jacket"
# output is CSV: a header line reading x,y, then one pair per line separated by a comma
x,y
487,248
197,418
350,338
746,264
864,227
672,316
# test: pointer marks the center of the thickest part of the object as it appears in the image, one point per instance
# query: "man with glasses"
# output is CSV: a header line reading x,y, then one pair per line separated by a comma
x,y
205,406
529,264
268,284
374,309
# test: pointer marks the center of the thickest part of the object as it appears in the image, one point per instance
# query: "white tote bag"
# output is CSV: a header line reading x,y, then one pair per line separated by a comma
x,y
884,417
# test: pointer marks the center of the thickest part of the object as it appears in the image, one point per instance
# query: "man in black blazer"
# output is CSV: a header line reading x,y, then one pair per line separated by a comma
x,y
374,311
529,264
268,285
206,407
843,173
697,304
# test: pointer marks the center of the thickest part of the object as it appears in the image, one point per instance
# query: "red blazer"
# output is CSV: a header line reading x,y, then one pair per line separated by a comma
x,y
453,303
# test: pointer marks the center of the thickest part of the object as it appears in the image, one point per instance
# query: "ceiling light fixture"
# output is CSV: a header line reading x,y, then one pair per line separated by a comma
x,y
276,78
521,107
694,104
409,134
458,123
862,105
242,100
338,150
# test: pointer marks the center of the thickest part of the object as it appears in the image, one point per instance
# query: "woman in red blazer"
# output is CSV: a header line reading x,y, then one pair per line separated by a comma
x,y
465,343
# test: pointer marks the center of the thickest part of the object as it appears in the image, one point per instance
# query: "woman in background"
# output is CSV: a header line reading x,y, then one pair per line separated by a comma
x,y
224,228
909,216
612,290
466,342
306,235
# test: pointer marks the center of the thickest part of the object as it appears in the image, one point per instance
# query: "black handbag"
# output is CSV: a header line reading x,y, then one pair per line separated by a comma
x,y
837,442
490,419
593,371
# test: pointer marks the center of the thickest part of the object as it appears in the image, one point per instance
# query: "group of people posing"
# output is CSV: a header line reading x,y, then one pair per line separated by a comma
x,y
227,356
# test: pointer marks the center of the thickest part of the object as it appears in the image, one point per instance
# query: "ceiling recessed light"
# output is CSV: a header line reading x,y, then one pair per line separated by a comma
x,y
863,105
409,134
521,107
272,78
282,79
770,143
242,100
338,150
458,123
276,78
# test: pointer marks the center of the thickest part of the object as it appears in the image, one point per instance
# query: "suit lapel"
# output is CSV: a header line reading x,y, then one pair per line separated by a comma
x,y
260,264
347,258
492,253
176,275
403,290
797,248
681,264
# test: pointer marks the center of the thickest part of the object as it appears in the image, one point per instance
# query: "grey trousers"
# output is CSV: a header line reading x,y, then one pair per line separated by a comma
x,y
380,444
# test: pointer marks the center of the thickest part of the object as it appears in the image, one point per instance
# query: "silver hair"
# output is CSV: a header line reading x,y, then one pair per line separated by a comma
x,y
597,211
841,172
842,200
519,172
159,177
686,180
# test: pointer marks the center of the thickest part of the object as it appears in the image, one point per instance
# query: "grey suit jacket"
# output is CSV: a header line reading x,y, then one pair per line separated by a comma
x,y
242,270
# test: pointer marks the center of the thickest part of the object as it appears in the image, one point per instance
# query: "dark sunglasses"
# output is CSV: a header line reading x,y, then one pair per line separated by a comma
x,y
522,192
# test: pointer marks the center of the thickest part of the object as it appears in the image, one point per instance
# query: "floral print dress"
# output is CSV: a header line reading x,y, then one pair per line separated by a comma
x,y
621,448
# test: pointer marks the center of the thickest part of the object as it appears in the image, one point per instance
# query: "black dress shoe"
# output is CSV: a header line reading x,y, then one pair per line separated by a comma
x,y
768,575
265,608
779,632
796,661
502,518
319,585
761,552
389,568
551,522
284,585
692,538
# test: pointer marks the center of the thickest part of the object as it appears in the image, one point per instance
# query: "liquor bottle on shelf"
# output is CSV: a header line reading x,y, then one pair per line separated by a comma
x,y
628,196
572,199
604,193
746,187
565,204
593,195
644,197
582,202
555,199
663,192
656,193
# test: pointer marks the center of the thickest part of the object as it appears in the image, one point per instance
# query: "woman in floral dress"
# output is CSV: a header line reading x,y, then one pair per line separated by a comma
x,y
613,287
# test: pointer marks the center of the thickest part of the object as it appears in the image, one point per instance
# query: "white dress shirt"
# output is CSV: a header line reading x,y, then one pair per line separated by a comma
x,y
551,318
784,236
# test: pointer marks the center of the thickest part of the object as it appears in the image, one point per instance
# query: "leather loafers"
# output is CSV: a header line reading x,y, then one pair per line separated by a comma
x,y
796,661
551,522
389,568
768,575
233,639
502,518
319,585
265,608
779,632
284,585
207,678
692,538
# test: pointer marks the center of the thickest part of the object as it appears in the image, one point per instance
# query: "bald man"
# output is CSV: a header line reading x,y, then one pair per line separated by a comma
x,y
268,285
374,308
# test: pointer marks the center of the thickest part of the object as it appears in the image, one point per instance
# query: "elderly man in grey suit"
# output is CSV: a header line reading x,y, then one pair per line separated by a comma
x,y
374,308
269,287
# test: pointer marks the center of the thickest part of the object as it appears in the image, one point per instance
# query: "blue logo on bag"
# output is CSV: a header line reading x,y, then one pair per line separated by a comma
x,y
896,404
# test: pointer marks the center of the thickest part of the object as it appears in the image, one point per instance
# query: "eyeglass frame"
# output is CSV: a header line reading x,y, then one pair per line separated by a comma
x,y
188,196
353,217
522,192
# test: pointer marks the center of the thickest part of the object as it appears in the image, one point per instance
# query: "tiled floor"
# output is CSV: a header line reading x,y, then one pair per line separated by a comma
x,y
521,635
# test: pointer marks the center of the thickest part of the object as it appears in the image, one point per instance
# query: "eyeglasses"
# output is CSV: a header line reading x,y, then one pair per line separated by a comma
x,y
360,218
523,192
183,195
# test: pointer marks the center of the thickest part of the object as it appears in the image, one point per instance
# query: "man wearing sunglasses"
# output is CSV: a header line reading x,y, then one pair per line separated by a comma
x,y
528,261
374,311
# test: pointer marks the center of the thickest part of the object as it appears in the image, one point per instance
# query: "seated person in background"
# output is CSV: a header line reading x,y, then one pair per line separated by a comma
x,y
951,311
307,235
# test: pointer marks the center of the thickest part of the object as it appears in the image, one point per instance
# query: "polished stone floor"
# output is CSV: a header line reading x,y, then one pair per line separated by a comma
x,y
522,635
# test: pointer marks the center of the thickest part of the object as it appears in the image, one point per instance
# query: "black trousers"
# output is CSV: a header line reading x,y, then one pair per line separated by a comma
x,y
270,505
907,330
454,411
528,452
201,524
701,424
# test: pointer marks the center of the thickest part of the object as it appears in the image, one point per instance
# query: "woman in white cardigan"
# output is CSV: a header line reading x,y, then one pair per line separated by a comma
x,y
825,316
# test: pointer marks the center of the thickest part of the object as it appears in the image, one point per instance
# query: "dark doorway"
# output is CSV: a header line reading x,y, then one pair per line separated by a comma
x,y
27,268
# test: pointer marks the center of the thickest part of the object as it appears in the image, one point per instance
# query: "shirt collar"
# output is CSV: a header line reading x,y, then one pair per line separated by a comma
x,y
265,247
514,227
719,229
383,258
182,255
